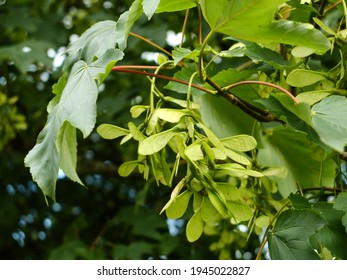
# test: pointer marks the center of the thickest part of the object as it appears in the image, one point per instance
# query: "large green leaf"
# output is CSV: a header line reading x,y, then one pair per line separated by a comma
x,y
333,236
289,239
285,147
341,204
329,120
175,5
102,36
77,106
252,20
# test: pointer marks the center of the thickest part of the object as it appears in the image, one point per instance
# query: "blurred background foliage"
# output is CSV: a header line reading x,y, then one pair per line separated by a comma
x,y
113,218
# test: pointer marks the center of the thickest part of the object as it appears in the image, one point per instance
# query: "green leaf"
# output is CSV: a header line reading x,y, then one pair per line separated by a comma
x,y
77,105
289,239
236,170
149,7
127,167
218,201
208,211
333,236
109,131
329,120
341,204
299,202
294,33
290,149
239,211
312,97
184,74
240,143
137,110
180,53
179,205
262,54
303,77
27,53
195,227
171,115
156,142
194,152
252,20
175,5
67,145
94,42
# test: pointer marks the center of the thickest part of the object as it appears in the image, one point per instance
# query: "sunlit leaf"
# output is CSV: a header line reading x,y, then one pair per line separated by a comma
x,y
127,167
329,120
303,77
109,131
149,7
252,20
156,142
195,227
240,143
77,105
175,5
171,115
179,205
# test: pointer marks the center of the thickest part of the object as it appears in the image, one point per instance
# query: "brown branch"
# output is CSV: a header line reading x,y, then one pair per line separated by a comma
x,y
126,70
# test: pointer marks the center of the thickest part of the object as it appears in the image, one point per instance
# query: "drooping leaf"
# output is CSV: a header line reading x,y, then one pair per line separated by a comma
x,y
67,145
240,143
289,239
171,115
329,120
109,131
208,211
194,152
175,5
156,142
126,168
195,227
239,211
179,205
149,7
77,105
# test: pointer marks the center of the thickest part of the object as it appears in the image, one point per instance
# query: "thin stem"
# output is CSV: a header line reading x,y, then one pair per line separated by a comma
x,y
265,84
184,27
201,56
200,24
151,43
332,6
